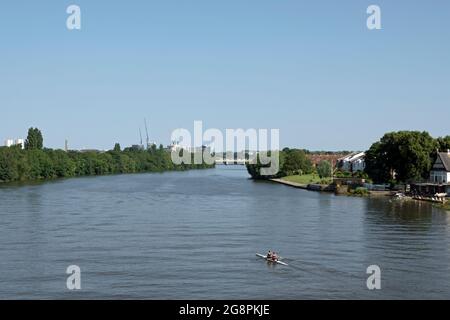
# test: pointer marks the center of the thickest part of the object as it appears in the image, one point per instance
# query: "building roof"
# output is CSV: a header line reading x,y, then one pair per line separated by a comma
x,y
445,157
353,157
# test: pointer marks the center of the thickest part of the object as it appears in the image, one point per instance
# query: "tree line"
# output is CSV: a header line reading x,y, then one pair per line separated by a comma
x,y
35,162
402,156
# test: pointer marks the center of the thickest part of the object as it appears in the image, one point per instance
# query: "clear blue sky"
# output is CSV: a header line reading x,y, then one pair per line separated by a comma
x,y
311,69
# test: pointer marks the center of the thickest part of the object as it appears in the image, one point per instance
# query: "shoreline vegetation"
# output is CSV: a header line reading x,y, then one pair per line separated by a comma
x,y
306,179
398,158
35,163
444,206
328,187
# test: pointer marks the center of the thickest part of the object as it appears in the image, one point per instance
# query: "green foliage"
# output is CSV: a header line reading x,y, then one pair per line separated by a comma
x,y
324,169
343,174
22,165
35,163
255,169
303,179
291,162
9,163
444,143
295,162
404,156
34,139
361,175
360,191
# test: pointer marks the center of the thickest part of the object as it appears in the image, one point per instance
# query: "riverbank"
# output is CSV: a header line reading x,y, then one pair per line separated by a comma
x,y
290,183
29,165
309,186
444,206
371,194
329,188
306,179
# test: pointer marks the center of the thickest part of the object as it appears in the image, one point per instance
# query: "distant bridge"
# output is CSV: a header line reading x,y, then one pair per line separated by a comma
x,y
231,162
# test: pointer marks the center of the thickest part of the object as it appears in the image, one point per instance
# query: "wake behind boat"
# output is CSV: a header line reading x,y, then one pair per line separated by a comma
x,y
271,260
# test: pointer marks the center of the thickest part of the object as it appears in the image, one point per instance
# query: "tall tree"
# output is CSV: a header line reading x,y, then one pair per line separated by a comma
x,y
296,162
404,156
117,147
34,140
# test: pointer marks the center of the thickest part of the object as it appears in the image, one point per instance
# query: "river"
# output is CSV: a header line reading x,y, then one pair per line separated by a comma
x,y
194,235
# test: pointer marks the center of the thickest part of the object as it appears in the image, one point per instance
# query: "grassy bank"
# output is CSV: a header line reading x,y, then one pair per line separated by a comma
x,y
307,179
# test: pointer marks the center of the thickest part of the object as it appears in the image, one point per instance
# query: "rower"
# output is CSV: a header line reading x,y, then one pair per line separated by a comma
x,y
269,255
274,256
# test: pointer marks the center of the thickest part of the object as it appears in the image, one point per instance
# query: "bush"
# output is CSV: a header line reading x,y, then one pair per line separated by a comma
x,y
360,192
324,169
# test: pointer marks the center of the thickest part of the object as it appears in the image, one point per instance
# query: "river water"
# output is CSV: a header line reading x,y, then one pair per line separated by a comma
x,y
194,235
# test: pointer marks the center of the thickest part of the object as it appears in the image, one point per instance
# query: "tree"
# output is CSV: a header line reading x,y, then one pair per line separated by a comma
x,y
376,165
324,169
254,169
63,165
36,162
404,156
34,139
444,143
117,147
9,161
296,162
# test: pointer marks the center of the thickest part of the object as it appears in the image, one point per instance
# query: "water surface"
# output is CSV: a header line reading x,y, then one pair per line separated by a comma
x,y
194,235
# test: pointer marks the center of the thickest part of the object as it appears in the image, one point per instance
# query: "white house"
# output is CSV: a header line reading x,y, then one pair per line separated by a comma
x,y
440,173
353,163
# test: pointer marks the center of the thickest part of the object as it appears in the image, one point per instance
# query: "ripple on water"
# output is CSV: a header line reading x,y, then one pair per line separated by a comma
x,y
195,234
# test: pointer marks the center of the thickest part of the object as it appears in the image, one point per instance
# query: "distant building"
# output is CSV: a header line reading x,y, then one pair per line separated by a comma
x,y
352,163
439,184
198,149
20,142
331,157
174,147
11,142
440,172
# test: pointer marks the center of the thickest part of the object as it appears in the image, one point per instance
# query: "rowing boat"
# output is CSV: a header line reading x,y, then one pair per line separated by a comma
x,y
270,260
